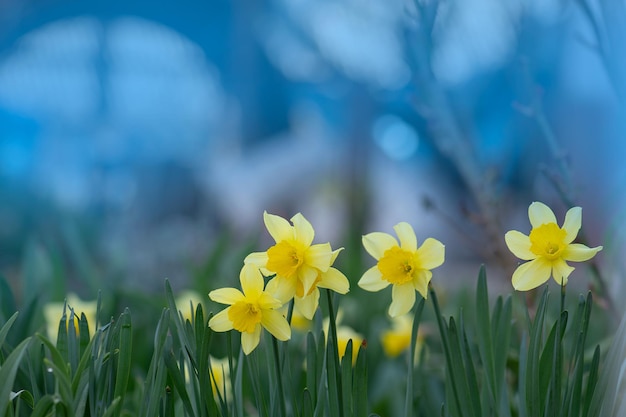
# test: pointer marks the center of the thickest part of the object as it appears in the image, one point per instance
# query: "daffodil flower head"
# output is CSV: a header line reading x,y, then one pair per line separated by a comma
x,y
249,310
300,267
220,378
344,335
398,339
404,265
53,313
547,248
187,302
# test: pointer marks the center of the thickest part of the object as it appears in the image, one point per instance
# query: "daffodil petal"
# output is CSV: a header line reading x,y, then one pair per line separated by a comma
x,y
577,252
303,230
531,274
307,276
334,256
226,295
319,256
307,305
377,243
372,280
220,322
519,244
278,228
420,282
281,288
571,225
431,254
276,324
539,214
406,235
335,280
561,271
269,302
249,341
402,299
251,280
257,258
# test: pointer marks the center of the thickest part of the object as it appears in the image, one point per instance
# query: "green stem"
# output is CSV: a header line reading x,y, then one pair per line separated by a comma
x,y
281,390
231,369
408,403
332,331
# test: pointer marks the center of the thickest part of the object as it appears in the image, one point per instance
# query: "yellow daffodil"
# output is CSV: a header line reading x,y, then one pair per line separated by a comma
x,y
300,266
249,310
187,302
220,378
53,312
398,338
405,265
298,321
547,248
344,335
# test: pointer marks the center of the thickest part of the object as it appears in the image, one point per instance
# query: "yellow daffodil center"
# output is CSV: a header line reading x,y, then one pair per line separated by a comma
x,y
245,316
547,240
284,258
397,265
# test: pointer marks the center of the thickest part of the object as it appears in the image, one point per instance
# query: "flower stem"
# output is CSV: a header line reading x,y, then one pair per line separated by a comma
x,y
332,332
408,403
279,379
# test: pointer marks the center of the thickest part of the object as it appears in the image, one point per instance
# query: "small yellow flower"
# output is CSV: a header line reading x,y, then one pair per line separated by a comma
x,y
53,312
187,302
249,310
548,247
344,335
298,321
220,378
398,338
300,267
403,265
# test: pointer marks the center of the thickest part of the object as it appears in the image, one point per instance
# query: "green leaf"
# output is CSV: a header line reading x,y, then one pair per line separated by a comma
x,y
72,343
333,378
592,381
43,406
124,356
178,380
24,395
359,387
535,400
523,377
63,382
311,367
84,333
8,372
484,336
451,383
346,379
6,327
307,404
154,386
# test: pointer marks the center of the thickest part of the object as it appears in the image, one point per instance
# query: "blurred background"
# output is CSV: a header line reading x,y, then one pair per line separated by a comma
x,y
141,140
